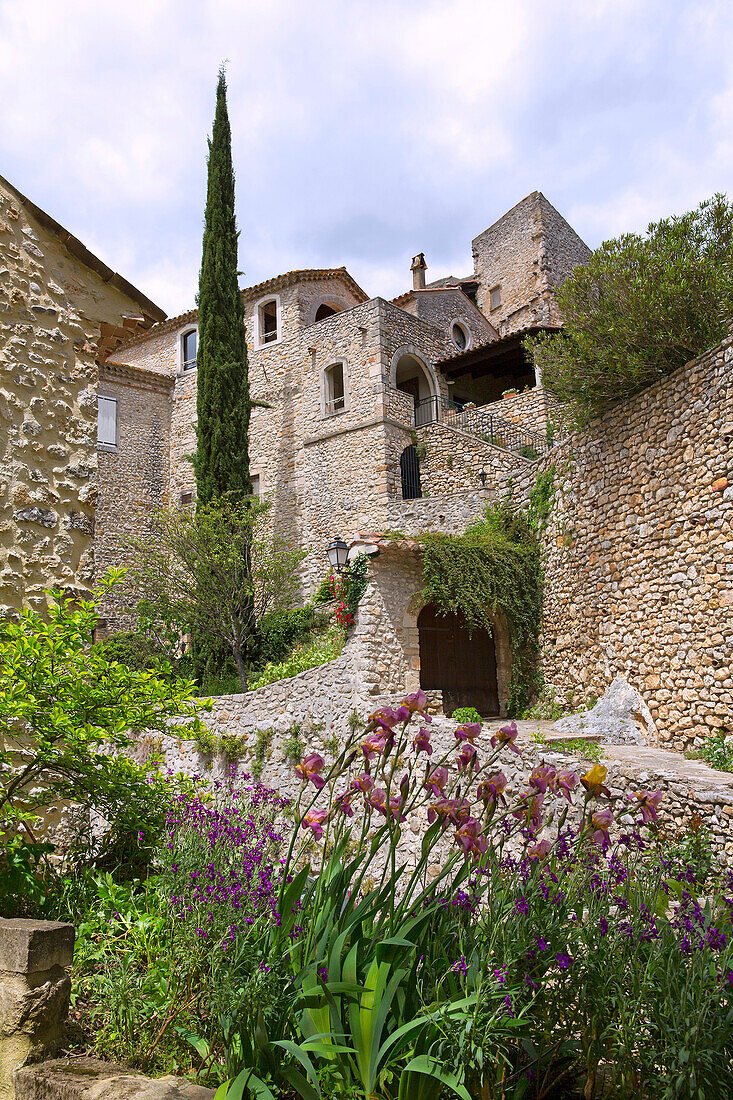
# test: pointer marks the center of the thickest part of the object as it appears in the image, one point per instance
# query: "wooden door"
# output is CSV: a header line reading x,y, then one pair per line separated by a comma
x,y
461,665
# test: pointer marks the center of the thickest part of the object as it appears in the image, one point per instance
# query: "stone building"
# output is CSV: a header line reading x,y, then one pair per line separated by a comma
x,y
380,415
61,309
384,416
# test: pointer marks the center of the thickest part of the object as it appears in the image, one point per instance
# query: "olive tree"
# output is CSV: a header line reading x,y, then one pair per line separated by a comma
x,y
639,308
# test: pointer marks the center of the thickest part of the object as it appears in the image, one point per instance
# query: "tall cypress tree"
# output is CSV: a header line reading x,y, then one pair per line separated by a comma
x,y
223,404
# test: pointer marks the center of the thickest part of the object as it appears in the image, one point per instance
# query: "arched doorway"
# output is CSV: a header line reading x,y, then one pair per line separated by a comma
x,y
461,665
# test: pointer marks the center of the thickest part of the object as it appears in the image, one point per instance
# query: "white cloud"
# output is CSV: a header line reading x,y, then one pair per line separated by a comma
x,y
363,130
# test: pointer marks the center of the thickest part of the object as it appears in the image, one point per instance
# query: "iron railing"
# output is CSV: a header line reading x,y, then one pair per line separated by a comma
x,y
487,426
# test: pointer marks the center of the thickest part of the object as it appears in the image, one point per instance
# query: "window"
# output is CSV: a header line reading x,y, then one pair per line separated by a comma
x,y
267,316
325,311
189,346
335,394
256,485
495,297
187,497
460,336
107,421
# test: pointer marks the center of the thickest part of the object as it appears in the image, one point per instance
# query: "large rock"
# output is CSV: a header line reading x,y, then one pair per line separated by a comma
x,y
91,1079
620,717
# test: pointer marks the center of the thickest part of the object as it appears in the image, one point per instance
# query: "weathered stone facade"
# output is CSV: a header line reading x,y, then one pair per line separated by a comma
x,y
135,472
56,300
639,571
524,256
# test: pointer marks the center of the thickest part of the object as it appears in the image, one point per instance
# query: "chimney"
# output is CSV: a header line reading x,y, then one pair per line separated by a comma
x,y
418,267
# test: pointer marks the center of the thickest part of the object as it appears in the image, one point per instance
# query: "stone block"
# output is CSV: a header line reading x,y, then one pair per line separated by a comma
x,y
92,1079
30,946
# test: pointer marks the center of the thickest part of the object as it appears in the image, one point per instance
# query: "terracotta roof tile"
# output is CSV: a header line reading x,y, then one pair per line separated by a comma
x,y
306,275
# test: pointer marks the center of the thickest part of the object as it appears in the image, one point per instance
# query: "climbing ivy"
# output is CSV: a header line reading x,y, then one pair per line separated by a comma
x,y
495,566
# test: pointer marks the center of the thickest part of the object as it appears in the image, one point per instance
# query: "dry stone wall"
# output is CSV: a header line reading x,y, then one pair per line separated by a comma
x,y
51,308
453,460
639,569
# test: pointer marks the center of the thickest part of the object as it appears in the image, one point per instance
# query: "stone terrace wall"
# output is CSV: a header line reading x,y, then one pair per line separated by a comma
x,y
531,409
639,571
51,308
454,458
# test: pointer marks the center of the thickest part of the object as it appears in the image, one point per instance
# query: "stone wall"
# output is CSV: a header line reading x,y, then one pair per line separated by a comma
x,y
52,305
528,252
532,409
454,458
639,570
133,475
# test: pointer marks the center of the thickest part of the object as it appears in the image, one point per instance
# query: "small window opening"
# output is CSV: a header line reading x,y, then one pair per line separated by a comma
x,y
495,297
256,486
335,394
107,421
268,322
187,497
459,336
189,347
325,311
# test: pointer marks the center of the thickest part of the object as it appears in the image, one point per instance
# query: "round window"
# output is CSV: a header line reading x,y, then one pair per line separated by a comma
x,y
458,333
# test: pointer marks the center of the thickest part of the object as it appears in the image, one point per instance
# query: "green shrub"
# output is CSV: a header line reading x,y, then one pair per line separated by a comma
x,y
316,650
639,308
718,752
466,715
280,631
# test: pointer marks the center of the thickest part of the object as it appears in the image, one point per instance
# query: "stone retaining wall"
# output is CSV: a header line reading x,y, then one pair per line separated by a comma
x,y
639,553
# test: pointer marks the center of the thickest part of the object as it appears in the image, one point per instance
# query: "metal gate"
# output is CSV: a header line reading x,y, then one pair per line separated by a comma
x,y
461,665
410,470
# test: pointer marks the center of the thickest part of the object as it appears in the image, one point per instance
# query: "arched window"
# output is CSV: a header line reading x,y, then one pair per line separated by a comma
x,y
324,311
410,472
189,349
334,389
268,327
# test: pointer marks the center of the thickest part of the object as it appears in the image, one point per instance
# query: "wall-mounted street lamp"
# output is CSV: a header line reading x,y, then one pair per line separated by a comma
x,y
483,478
337,553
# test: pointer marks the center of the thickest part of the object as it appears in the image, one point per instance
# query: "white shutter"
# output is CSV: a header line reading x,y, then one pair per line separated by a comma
x,y
107,420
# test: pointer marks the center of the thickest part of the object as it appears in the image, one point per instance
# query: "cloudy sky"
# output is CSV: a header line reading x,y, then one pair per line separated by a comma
x,y
364,131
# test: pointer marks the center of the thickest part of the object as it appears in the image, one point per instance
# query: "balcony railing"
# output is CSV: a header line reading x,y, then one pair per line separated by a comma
x,y
486,426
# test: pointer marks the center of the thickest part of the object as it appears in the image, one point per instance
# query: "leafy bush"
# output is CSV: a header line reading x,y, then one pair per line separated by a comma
x,y
280,631
493,566
316,650
159,966
639,308
466,714
69,717
717,751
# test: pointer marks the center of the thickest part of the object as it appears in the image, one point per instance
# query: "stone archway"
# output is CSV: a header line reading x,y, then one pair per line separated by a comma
x,y
502,654
410,374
